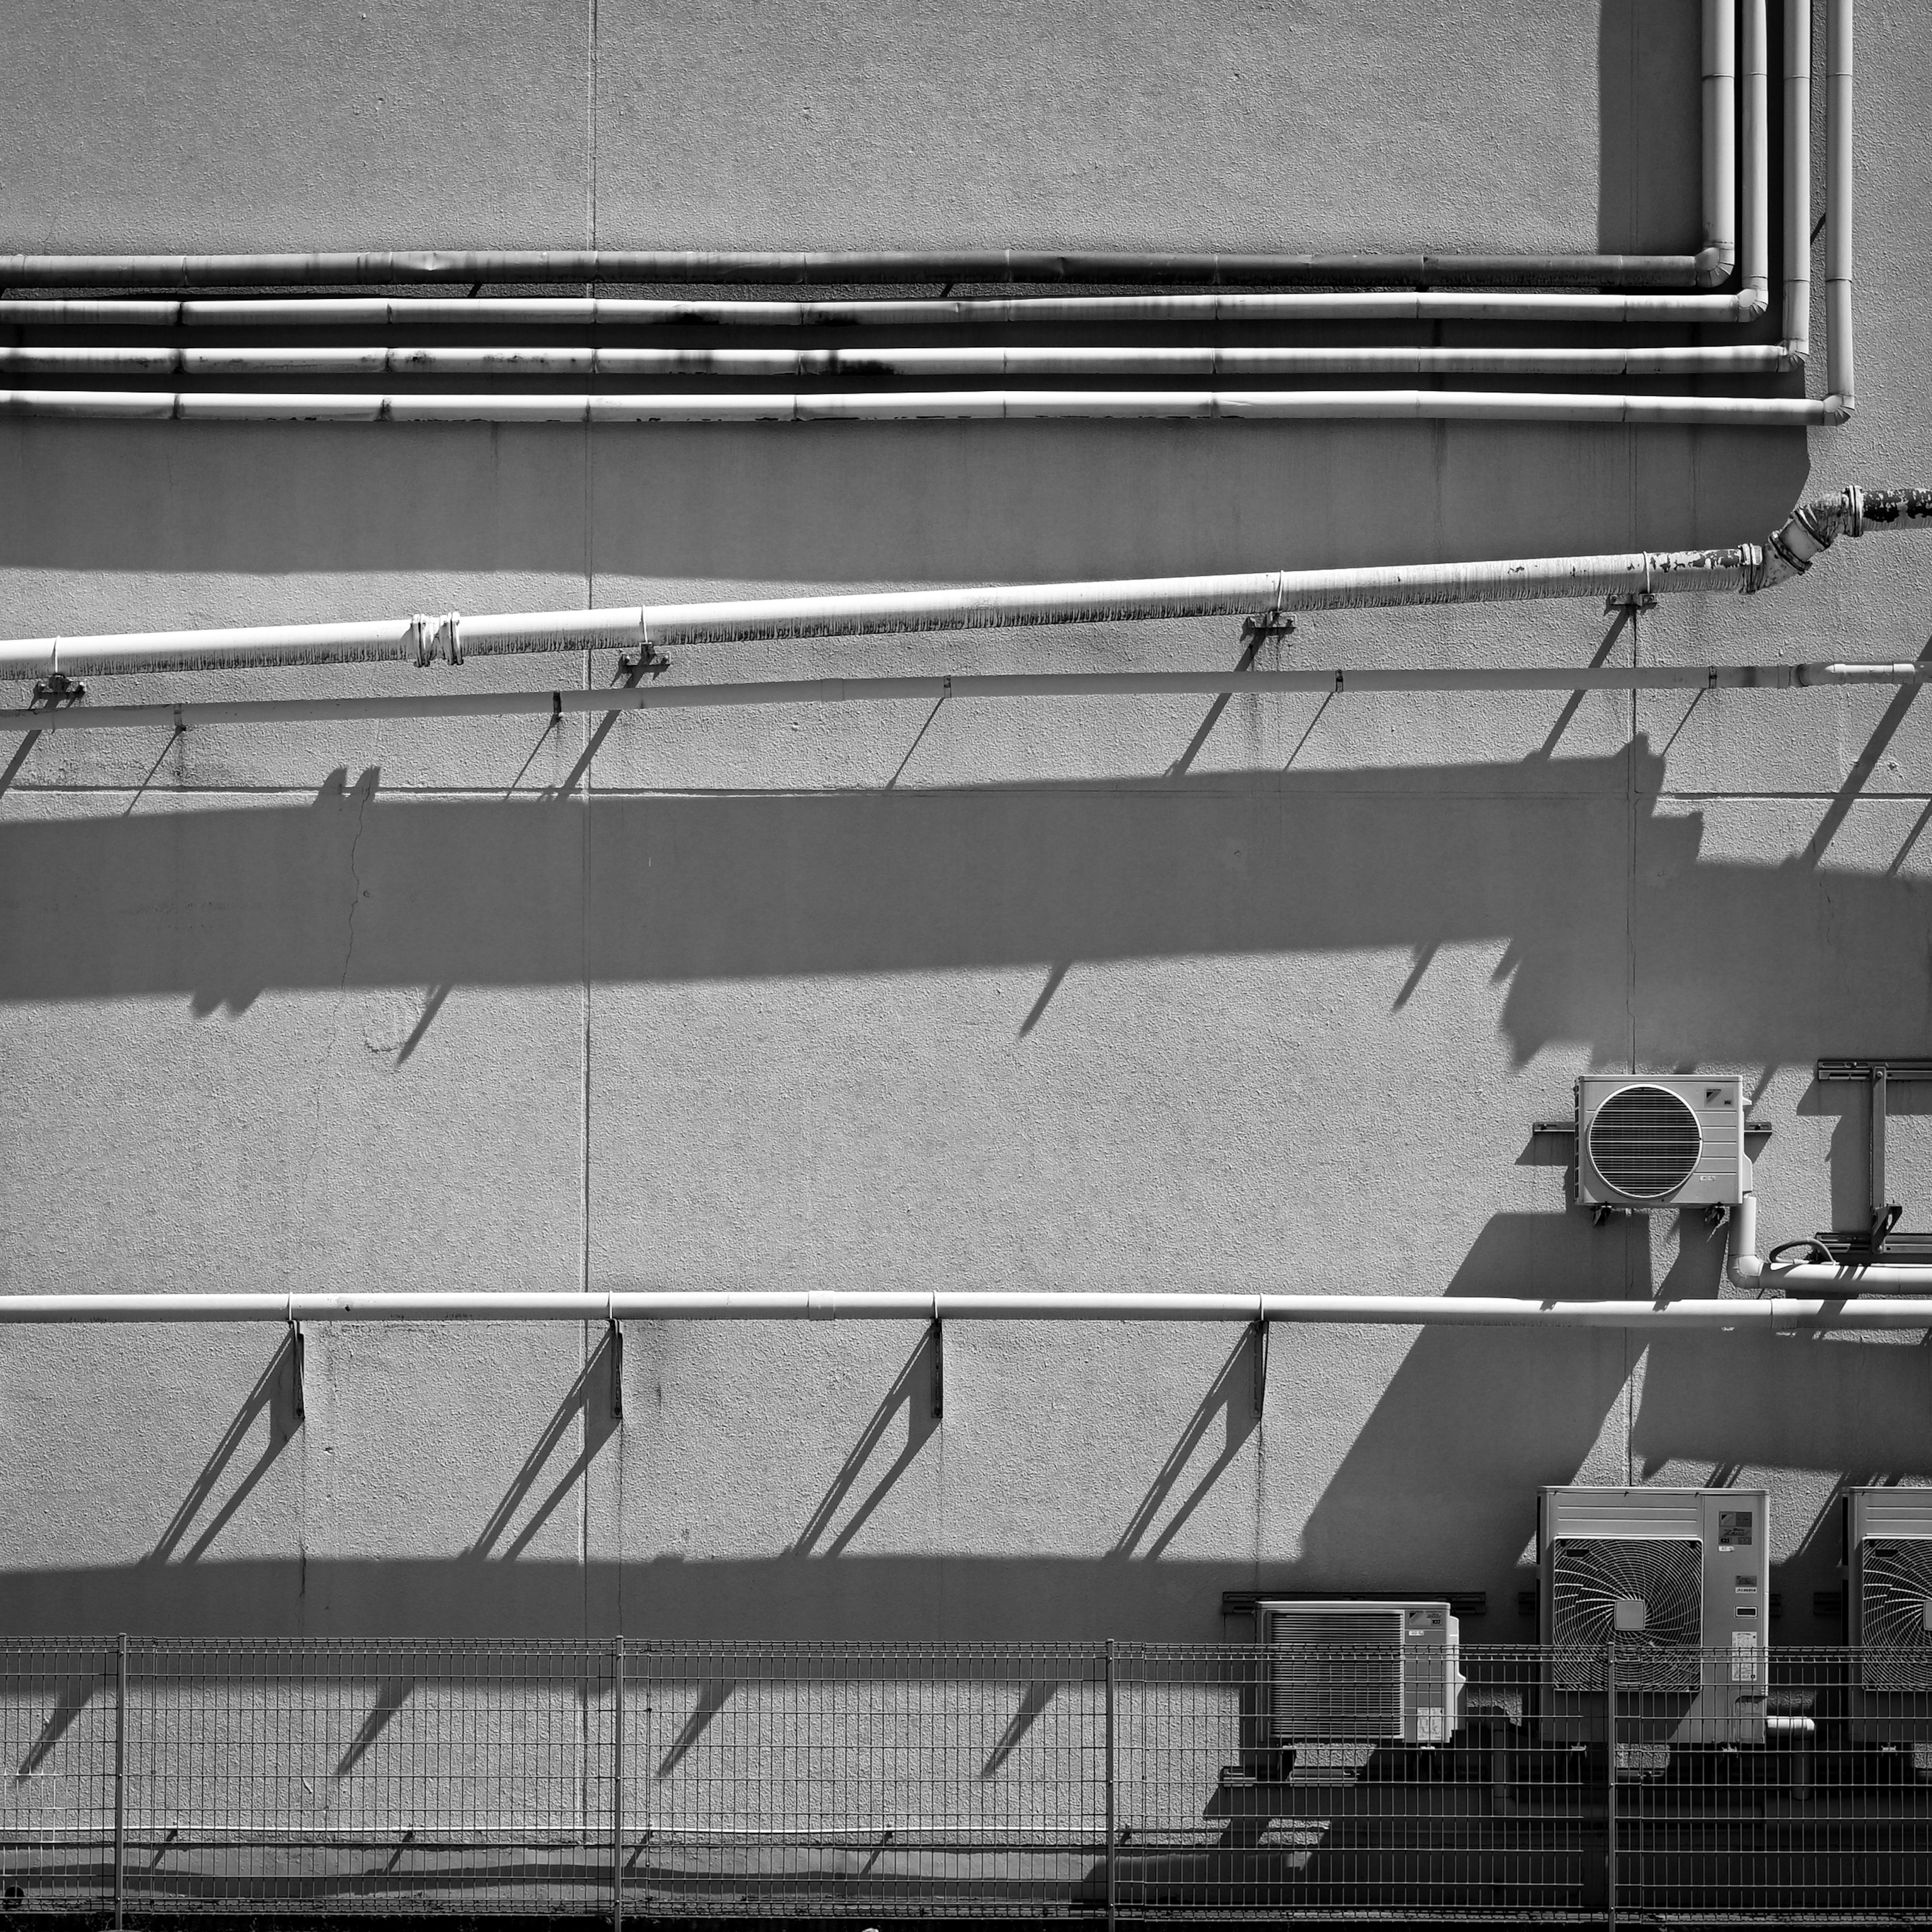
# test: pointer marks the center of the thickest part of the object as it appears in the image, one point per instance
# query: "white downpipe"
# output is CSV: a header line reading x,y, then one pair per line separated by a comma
x,y
1798,179
1783,1315
930,405
1720,50
1747,568
1047,684
1839,355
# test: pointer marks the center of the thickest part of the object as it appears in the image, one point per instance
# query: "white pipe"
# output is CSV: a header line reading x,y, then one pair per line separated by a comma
x,y
1779,1315
1204,359
1388,305
1753,205
1719,134
1839,205
851,268
1747,1269
932,690
956,405
1798,179
1747,568
421,640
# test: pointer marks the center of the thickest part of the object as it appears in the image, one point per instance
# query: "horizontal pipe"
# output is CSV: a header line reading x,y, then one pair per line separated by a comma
x,y
1811,530
1202,360
932,690
781,406
854,267
1780,1314
1388,305
421,640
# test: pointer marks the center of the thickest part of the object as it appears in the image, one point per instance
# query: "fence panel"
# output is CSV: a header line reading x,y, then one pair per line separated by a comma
x,y
1128,1781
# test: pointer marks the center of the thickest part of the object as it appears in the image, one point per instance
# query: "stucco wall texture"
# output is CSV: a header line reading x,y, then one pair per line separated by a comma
x,y
1058,995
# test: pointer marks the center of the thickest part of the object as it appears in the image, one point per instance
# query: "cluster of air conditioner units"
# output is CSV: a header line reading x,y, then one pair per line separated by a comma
x,y
1663,1592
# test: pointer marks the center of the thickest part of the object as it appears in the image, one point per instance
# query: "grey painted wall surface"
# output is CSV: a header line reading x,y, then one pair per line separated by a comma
x,y
1052,996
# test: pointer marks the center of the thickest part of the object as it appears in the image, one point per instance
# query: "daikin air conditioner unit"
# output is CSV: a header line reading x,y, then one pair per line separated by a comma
x,y
1373,1672
1671,1142
1889,1559
1670,1585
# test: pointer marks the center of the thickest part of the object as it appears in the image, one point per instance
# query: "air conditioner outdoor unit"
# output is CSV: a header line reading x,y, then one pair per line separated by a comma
x,y
1672,1584
1671,1142
1374,1673
1888,1561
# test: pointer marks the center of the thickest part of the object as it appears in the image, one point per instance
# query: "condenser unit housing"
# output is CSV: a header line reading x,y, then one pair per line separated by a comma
x,y
1381,1673
1888,1566
1668,1586
1670,1142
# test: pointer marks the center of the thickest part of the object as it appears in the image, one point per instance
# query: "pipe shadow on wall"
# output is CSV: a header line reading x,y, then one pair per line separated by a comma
x,y
1531,857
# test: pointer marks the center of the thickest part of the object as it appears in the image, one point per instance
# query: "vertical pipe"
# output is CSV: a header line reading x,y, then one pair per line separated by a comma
x,y
1838,202
1111,1906
1720,133
1610,1785
1754,208
1798,179
617,1783
1875,1146
121,1783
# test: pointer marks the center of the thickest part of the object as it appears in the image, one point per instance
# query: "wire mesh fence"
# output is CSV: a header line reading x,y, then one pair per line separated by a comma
x,y
690,1779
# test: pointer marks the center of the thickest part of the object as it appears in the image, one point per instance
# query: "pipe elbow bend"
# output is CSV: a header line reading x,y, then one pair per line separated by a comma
x,y
1713,267
1745,1272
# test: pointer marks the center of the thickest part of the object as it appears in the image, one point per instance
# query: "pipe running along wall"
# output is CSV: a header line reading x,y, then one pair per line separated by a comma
x,y
1724,90
1785,1314
451,637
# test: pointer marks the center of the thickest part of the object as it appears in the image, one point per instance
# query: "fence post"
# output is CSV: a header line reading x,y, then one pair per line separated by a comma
x,y
617,1786
1610,1786
121,1781
1109,1749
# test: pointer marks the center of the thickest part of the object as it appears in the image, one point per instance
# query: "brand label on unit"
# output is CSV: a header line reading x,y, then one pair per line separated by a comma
x,y
1432,1725
1743,1657
1734,1529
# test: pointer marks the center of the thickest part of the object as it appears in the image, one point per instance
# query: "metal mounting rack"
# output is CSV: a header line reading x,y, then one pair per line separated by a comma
x,y
1881,1237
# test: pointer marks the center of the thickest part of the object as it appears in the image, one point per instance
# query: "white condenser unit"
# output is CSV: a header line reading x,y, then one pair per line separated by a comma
x,y
1888,1578
1373,1673
1673,1584
1674,1142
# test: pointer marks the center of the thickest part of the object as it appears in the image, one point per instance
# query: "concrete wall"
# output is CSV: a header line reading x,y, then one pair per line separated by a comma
x,y
1076,995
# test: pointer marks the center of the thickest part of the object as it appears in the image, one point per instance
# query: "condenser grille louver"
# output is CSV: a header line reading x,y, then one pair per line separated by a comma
x,y
1645,1142
1895,1604
1335,1674
1642,1597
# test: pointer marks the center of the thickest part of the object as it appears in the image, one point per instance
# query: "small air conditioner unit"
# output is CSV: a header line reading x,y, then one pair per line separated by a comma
x,y
1888,1601
1373,1673
1674,1142
1671,1584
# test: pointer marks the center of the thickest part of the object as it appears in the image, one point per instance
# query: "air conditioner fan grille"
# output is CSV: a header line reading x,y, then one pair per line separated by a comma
x,y
1588,1576
1895,1588
1645,1142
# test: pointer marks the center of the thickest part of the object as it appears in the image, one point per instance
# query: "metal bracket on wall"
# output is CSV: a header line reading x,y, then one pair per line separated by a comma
x,y
54,690
1632,602
649,662
297,1366
613,1343
1878,1236
1261,1348
1273,627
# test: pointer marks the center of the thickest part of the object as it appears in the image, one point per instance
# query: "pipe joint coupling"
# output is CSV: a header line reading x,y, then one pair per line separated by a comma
x,y
429,638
